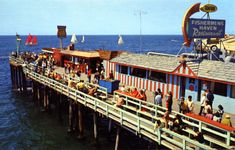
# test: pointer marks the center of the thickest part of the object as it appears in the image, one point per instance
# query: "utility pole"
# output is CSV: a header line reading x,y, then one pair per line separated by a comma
x,y
140,13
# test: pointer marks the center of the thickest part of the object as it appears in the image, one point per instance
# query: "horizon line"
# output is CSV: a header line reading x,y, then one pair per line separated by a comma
x,y
89,34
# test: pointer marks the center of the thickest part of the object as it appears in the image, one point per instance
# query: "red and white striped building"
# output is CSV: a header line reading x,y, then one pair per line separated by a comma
x,y
192,77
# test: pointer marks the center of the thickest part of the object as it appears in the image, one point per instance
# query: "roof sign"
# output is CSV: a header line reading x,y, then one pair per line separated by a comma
x,y
206,28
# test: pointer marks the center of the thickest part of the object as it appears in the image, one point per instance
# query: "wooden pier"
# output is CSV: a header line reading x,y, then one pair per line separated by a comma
x,y
130,117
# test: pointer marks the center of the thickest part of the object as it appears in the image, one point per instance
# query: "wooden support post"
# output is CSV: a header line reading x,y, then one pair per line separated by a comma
x,y
34,90
24,82
117,138
70,115
95,125
16,77
38,91
45,98
12,75
60,106
20,78
110,125
80,122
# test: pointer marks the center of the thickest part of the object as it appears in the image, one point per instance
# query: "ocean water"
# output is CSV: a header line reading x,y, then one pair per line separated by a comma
x,y
24,126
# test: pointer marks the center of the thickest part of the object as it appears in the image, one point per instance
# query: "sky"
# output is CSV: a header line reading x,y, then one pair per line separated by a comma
x,y
104,17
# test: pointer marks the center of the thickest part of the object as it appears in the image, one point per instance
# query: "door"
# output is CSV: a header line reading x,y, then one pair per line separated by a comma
x,y
199,90
182,86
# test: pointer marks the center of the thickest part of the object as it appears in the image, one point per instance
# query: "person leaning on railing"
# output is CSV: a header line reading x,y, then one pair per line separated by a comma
x,y
226,120
183,105
218,115
120,101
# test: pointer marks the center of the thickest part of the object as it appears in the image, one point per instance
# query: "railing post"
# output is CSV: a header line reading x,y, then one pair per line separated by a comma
x,y
95,106
126,101
184,144
107,110
121,117
140,105
155,111
76,95
228,138
85,100
138,124
200,126
159,135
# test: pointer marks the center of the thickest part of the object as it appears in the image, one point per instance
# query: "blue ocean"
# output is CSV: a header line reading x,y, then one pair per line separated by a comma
x,y
24,126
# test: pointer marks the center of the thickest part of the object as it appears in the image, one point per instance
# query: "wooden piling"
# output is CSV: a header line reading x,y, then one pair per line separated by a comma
x,y
20,77
12,75
95,125
34,90
24,82
117,138
110,126
80,122
16,78
45,98
70,115
59,105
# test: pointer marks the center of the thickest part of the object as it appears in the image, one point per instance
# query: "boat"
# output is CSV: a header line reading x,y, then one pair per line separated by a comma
x,y
120,40
83,39
31,40
74,39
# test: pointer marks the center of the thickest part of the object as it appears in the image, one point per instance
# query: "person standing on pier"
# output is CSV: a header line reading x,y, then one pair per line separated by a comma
x,y
169,102
203,103
190,104
89,75
158,99
210,98
44,65
111,76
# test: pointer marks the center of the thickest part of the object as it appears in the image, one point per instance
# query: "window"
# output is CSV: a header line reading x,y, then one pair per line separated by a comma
x,y
157,76
138,72
220,89
123,69
233,91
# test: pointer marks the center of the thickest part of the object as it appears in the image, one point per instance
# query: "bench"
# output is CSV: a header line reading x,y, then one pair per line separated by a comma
x,y
214,123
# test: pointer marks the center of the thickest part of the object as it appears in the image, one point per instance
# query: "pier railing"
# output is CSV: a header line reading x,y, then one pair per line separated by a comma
x,y
31,66
214,134
100,89
136,123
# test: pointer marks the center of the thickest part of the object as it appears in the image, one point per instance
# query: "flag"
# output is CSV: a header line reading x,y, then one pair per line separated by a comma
x,y
18,37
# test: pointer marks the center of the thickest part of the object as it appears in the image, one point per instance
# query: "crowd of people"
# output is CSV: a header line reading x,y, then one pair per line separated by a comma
x,y
43,62
206,109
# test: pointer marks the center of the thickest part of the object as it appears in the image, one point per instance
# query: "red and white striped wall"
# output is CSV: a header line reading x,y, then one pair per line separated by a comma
x,y
108,67
172,81
172,84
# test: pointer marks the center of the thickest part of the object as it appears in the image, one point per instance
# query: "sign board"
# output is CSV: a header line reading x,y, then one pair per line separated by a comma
x,y
61,33
206,28
208,8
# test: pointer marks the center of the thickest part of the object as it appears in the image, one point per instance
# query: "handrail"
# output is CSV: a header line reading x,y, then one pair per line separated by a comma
x,y
101,89
125,117
137,123
195,123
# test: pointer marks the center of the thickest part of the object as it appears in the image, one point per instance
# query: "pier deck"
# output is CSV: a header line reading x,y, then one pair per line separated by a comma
x,y
140,122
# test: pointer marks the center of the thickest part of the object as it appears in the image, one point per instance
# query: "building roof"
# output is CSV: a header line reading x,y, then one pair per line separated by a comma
x,y
86,54
214,70
217,70
153,62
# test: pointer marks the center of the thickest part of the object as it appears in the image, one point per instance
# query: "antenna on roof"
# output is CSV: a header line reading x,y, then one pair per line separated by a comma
x,y
140,13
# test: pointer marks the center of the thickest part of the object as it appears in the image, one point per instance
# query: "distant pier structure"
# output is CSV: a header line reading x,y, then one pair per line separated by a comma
x,y
130,116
